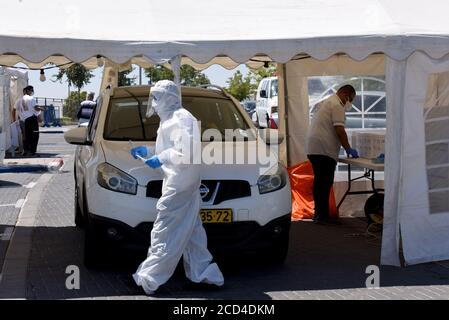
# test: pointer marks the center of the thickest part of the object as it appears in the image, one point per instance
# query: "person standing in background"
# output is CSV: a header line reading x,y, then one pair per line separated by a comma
x,y
28,112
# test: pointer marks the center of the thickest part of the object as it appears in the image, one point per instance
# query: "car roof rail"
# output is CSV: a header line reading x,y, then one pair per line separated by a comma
x,y
206,86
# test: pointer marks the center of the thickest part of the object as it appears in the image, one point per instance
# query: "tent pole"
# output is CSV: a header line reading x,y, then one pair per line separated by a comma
x,y
285,118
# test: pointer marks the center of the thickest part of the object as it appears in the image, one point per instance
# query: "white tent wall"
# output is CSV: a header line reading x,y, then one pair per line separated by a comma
x,y
4,114
395,79
424,234
14,82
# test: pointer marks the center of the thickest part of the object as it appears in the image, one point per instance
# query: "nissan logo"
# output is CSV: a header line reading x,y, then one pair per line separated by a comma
x,y
204,191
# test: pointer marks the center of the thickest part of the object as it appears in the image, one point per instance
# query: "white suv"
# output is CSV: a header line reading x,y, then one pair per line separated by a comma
x,y
116,195
267,103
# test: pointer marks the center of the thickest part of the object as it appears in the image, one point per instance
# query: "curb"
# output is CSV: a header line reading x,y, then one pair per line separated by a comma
x,y
53,165
13,281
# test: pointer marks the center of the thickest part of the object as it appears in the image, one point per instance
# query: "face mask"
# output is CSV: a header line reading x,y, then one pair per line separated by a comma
x,y
348,106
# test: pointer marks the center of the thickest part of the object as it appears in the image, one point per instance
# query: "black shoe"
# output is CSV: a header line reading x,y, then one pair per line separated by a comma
x,y
328,222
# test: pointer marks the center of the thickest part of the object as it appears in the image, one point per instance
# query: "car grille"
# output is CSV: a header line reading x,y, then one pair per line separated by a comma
x,y
219,190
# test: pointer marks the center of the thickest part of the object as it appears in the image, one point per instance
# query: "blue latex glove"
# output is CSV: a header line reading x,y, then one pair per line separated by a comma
x,y
141,151
352,153
154,162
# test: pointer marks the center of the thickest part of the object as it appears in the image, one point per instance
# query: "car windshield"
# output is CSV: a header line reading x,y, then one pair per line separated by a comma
x,y
126,119
274,88
250,104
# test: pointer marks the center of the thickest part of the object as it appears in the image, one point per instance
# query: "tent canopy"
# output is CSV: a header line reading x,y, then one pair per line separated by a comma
x,y
155,31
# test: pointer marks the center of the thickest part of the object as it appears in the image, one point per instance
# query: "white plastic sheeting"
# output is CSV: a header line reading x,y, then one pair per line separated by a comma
x,y
12,83
408,204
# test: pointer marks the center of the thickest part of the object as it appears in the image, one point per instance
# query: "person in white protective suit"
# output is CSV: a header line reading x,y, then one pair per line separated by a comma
x,y
178,230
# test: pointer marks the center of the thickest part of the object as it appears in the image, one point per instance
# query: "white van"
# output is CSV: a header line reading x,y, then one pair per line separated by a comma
x,y
267,103
116,195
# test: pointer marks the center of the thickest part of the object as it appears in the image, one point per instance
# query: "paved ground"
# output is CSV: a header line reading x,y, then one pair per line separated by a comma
x,y
323,262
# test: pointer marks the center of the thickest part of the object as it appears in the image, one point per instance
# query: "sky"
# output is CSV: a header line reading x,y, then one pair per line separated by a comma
x,y
50,89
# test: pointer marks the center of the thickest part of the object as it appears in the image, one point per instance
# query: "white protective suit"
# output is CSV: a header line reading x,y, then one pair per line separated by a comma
x,y
178,230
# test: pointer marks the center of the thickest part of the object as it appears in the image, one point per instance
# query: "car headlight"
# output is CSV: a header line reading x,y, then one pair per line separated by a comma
x,y
274,179
111,178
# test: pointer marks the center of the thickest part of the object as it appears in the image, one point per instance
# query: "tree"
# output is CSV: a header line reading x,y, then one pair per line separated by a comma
x,y
239,87
263,72
258,74
124,80
72,104
189,76
77,75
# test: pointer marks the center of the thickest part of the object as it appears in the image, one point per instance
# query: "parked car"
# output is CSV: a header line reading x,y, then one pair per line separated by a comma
x,y
249,106
266,101
116,195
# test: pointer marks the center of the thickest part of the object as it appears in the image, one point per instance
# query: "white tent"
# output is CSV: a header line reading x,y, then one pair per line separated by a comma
x,y
407,41
12,83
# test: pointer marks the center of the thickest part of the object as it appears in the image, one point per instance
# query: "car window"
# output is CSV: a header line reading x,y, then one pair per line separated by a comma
x,y
265,85
126,118
93,121
250,105
126,121
274,89
219,114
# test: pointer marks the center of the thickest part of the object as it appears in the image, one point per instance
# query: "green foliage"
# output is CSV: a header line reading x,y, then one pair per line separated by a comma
x,y
243,87
189,76
258,74
124,80
239,87
72,104
77,75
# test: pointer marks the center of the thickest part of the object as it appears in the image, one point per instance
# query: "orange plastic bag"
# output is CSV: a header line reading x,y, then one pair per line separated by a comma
x,y
301,180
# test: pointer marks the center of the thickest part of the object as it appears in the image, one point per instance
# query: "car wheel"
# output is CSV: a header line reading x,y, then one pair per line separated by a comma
x,y
279,250
79,218
91,248
94,249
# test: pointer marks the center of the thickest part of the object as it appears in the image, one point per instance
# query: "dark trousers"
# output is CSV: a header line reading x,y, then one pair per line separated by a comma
x,y
324,173
31,135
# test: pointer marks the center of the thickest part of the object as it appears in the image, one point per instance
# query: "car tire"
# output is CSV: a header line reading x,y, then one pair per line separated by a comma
x,y
278,252
92,248
79,217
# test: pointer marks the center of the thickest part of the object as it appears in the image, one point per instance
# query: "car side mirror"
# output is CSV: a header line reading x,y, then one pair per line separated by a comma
x,y
77,136
271,136
263,94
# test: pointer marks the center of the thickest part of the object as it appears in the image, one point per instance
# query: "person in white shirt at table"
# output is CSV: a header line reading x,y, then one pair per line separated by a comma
x,y
325,137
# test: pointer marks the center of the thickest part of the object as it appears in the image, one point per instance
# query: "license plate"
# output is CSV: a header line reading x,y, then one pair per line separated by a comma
x,y
216,215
